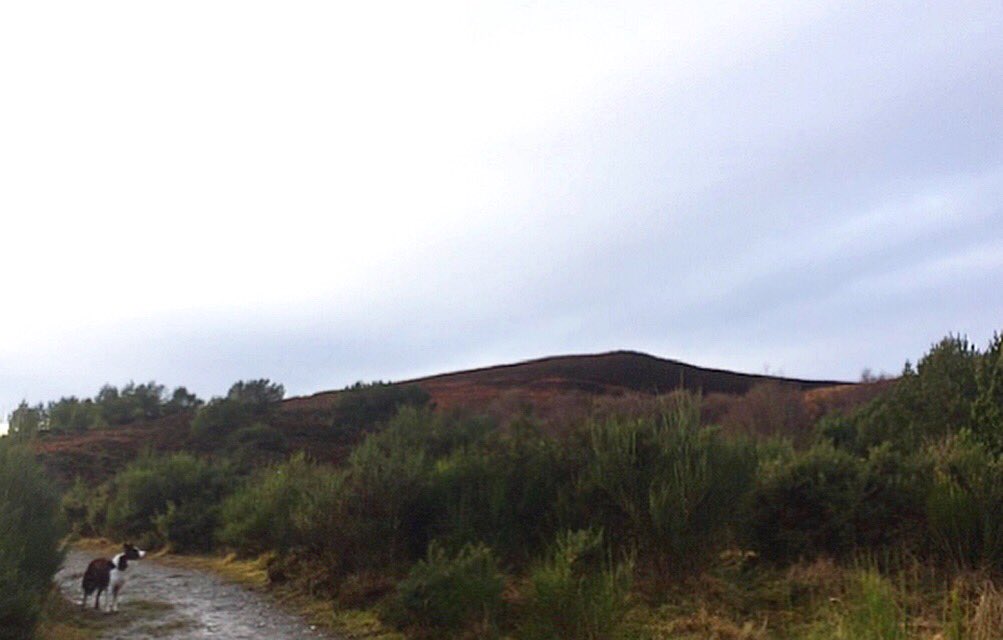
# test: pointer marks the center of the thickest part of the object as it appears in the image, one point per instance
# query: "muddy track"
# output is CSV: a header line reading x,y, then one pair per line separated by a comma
x,y
163,602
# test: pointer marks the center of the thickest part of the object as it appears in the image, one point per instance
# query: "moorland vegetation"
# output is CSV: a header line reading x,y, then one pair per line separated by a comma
x,y
648,518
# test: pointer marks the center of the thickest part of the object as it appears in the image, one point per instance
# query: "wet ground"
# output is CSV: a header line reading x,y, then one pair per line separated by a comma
x,y
166,602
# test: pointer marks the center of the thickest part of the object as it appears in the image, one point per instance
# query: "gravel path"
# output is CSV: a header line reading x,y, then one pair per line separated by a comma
x,y
162,602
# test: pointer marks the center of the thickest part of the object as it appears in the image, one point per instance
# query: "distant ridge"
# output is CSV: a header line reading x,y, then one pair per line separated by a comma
x,y
613,372
624,370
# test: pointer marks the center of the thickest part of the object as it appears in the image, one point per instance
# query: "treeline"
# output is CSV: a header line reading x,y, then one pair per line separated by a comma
x,y
110,407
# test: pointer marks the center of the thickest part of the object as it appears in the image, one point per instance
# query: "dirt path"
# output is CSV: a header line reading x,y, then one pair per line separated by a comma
x,y
163,602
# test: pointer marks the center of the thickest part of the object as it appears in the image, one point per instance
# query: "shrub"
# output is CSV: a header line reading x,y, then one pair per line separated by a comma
x,y
512,491
364,405
389,500
279,507
667,485
30,534
446,591
259,396
987,410
806,505
246,403
965,505
171,499
253,446
220,417
578,592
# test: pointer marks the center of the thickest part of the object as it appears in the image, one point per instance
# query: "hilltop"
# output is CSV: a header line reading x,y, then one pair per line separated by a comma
x,y
557,385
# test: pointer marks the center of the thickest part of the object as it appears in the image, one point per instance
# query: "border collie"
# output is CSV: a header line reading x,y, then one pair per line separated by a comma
x,y
103,573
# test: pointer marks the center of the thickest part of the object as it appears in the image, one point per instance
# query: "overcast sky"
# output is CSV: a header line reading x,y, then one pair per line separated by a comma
x,y
318,192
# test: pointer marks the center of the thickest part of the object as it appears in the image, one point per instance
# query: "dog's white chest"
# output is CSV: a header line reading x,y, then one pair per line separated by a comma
x,y
116,579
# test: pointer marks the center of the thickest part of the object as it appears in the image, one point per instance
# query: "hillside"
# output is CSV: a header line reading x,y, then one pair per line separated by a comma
x,y
612,373
561,385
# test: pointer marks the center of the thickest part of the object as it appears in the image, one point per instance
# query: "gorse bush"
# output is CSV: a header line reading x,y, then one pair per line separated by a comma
x,y
577,592
447,591
805,505
965,506
174,499
30,532
281,507
667,486
493,490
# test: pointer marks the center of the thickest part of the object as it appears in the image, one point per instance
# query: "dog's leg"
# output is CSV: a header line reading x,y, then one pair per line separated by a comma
x,y
97,599
114,598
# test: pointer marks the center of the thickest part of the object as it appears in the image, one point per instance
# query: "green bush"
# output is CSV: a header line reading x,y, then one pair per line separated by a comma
x,y
362,406
390,500
513,491
281,507
806,505
446,591
578,592
667,486
246,403
965,506
30,533
172,499
219,418
259,396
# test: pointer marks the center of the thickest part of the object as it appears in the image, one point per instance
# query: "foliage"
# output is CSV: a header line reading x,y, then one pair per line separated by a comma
x,y
805,505
491,490
363,406
181,401
924,405
26,421
259,396
446,591
173,499
133,403
279,508
578,592
246,403
667,485
73,414
987,409
965,506
30,533
870,611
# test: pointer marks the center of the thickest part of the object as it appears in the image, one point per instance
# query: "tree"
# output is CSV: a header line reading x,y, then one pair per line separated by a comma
x,y
257,395
987,410
182,401
26,421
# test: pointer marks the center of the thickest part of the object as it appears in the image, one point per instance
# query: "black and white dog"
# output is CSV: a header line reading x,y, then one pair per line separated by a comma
x,y
103,573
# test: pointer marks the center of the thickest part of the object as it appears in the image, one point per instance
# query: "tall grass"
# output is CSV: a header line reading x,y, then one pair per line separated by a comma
x,y
870,610
577,592
965,505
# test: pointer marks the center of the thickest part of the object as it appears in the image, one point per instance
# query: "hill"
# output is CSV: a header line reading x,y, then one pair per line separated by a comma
x,y
612,373
553,386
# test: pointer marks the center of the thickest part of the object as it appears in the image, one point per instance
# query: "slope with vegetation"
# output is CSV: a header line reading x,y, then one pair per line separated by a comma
x,y
870,511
